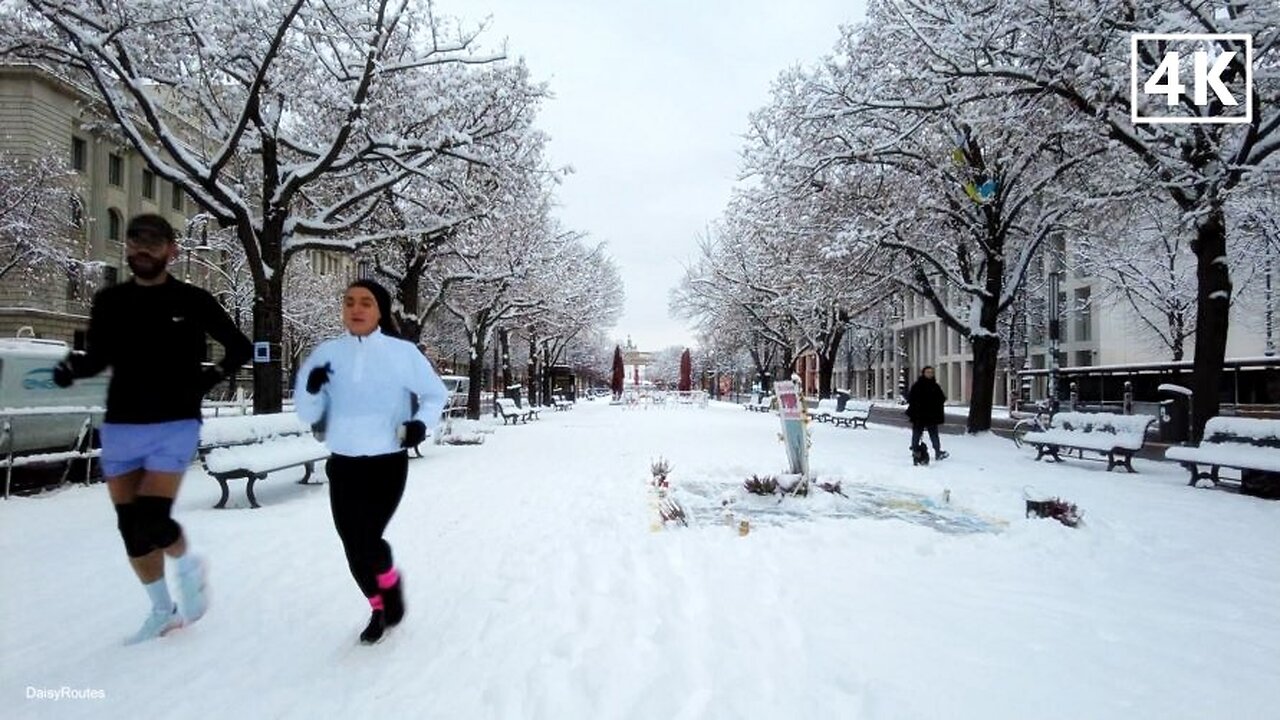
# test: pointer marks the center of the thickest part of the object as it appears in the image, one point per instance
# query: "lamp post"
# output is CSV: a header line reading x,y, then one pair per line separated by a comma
x,y
1266,276
1055,327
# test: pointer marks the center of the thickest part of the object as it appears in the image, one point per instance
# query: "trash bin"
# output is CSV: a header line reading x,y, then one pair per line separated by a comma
x,y
842,398
1175,421
512,393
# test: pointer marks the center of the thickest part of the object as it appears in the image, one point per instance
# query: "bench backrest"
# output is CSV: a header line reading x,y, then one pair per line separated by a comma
x,y
862,406
237,430
1243,431
827,404
1127,425
508,406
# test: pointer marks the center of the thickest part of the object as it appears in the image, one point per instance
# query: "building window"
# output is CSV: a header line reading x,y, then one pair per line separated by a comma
x,y
115,170
1084,316
75,282
148,185
79,154
177,197
113,225
77,213
1084,358
110,275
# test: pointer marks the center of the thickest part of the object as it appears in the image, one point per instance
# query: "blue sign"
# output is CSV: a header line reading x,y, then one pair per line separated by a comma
x,y
262,352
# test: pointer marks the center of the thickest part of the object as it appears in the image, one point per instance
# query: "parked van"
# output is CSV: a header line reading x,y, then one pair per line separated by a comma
x,y
26,383
458,387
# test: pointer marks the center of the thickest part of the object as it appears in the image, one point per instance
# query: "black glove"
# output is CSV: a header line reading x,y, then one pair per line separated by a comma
x,y
209,378
64,374
412,433
318,377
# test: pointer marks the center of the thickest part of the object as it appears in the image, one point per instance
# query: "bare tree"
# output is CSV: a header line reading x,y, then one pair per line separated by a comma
x,y
285,121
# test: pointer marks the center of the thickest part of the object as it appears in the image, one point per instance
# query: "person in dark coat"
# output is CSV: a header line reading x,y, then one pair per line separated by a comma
x,y
925,402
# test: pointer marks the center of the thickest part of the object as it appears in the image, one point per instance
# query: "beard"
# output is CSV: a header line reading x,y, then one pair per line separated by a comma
x,y
146,267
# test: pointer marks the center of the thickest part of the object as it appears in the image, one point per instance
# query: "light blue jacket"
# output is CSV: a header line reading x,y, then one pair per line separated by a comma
x,y
368,394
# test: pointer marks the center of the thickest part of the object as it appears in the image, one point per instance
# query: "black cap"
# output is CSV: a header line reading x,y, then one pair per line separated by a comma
x,y
149,228
383,298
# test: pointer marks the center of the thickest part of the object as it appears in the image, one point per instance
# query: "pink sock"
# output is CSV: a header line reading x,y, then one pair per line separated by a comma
x,y
375,602
388,579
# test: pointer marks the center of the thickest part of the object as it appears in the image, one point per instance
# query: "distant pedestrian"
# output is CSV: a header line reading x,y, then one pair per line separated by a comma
x,y
925,409
361,387
150,330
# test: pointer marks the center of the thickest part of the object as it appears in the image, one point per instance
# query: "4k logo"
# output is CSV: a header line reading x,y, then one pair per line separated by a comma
x,y
1221,69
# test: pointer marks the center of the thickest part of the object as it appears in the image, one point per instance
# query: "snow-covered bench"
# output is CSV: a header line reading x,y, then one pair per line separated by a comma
x,y
825,409
854,415
1244,444
253,446
1116,436
508,409
561,403
764,404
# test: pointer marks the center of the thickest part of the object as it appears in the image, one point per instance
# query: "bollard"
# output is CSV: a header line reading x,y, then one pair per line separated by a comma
x,y
1075,395
1128,397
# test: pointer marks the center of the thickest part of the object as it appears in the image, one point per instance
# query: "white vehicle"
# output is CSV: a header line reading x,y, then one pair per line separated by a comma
x,y
458,387
38,414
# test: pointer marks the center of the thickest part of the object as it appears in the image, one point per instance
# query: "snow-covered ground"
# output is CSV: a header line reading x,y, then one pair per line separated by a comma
x,y
536,588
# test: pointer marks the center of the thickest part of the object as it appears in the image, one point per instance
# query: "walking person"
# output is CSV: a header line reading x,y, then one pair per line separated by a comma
x,y
360,387
151,331
925,409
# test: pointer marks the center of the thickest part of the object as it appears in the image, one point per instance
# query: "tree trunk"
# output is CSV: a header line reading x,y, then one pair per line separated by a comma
x,y
504,351
1177,327
545,383
410,328
268,327
532,372
986,352
475,371
1213,305
826,368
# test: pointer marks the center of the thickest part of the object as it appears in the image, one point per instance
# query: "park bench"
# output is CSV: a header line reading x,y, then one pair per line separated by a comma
x,y
825,409
1250,445
764,404
854,415
1116,436
561,404
508,409
253,446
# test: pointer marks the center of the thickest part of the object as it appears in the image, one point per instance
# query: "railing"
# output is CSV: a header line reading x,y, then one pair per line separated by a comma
x,y
80,449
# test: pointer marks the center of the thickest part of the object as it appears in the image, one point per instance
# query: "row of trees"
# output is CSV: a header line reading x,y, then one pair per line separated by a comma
x,y
379,130
958,151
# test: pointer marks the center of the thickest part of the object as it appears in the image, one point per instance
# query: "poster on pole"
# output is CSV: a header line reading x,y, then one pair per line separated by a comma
x,y
793,435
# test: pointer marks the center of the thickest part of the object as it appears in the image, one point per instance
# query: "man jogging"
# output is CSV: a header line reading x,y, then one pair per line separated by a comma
x,y
151,332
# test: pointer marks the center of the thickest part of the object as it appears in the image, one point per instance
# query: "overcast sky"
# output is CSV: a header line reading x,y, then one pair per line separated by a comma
x,y
651,100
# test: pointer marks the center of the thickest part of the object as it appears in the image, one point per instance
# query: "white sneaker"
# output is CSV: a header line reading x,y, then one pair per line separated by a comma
x,y
191,590
157,624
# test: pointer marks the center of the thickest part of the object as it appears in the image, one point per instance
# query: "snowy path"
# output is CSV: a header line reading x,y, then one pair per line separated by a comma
x,y
536,590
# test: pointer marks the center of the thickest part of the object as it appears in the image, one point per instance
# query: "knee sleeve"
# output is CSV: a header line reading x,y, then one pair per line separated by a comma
x,y
154,522
135,543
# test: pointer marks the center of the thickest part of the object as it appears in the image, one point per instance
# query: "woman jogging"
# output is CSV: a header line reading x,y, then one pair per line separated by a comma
x,y
360,387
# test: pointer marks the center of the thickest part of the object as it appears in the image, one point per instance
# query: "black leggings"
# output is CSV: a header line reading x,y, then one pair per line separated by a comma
x,y
363,495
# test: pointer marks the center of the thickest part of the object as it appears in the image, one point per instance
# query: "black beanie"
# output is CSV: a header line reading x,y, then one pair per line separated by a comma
x,y
380,295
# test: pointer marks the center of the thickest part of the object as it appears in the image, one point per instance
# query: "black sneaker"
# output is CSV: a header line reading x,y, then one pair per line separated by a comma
x,y
942,454
393,603
377,626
